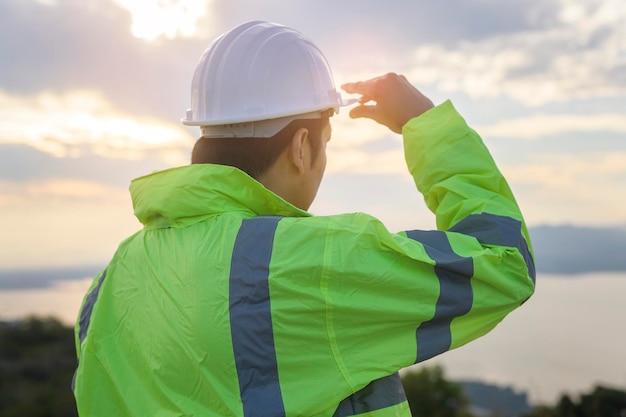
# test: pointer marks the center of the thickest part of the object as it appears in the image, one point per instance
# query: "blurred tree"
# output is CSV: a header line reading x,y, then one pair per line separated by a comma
x,y
601,402
566,407
430,395
37,362
542,411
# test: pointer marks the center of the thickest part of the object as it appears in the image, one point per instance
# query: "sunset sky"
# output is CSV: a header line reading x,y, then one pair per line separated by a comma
x,y
91,93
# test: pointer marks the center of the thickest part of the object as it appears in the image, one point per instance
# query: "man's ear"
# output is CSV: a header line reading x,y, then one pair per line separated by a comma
x,y
298,148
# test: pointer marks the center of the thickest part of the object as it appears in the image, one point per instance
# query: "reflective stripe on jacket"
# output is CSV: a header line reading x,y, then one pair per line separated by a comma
x,y
232,302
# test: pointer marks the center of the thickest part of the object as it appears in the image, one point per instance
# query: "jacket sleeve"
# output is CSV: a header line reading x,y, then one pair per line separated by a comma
x,y
397,299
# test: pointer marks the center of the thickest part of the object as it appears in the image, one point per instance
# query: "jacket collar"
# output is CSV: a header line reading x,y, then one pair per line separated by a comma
x,y
181,196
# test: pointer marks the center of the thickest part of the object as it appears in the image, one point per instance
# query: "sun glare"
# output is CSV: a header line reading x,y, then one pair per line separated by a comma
x,y
171,19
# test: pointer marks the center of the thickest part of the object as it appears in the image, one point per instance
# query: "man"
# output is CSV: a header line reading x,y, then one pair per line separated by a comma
x,y
234,301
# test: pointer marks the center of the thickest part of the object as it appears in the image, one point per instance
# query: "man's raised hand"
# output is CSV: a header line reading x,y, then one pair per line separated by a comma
x,y
396,101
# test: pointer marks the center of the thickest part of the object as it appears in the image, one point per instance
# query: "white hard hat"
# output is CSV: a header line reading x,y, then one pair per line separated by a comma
x,y
253,80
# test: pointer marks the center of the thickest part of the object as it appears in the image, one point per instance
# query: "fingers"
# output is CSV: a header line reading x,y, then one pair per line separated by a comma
x,y
351,88
365,88
365,99
363,111
396,101
374,112
359,87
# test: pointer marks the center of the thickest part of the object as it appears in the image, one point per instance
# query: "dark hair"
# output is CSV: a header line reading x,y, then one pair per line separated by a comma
x,y
254,156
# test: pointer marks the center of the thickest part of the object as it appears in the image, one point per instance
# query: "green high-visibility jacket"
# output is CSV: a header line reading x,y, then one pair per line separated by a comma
x,y
232,302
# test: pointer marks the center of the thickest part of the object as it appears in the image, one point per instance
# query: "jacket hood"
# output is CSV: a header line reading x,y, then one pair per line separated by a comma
x,y
181,196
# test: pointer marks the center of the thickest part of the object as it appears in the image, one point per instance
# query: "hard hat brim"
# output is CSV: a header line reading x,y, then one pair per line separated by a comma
x,y
341,102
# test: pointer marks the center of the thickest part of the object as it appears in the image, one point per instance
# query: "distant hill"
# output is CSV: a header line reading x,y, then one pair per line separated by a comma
x,y
493,400
576,250
44,277
558,250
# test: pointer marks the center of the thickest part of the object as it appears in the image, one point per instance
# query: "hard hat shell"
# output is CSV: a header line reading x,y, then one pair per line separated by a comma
x,y
259,71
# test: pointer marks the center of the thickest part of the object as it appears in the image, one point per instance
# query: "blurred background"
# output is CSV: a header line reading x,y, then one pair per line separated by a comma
x,y
91,93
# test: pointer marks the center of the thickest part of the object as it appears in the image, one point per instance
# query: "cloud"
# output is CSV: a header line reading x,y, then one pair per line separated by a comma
x,y
62,222
571,171
578,56
76,45
364,147
21,163
51,191
532,51
586,188
543,125
403,23
377,36
568,177
63,125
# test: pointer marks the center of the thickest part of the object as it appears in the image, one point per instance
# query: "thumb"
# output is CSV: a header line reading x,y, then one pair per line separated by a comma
x,y
375,113
363,111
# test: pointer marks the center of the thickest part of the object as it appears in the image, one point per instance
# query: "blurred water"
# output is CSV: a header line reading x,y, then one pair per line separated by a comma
x,y
568,337
62,300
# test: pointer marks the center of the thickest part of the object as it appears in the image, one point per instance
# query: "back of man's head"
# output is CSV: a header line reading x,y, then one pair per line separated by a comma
x,y
255,156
